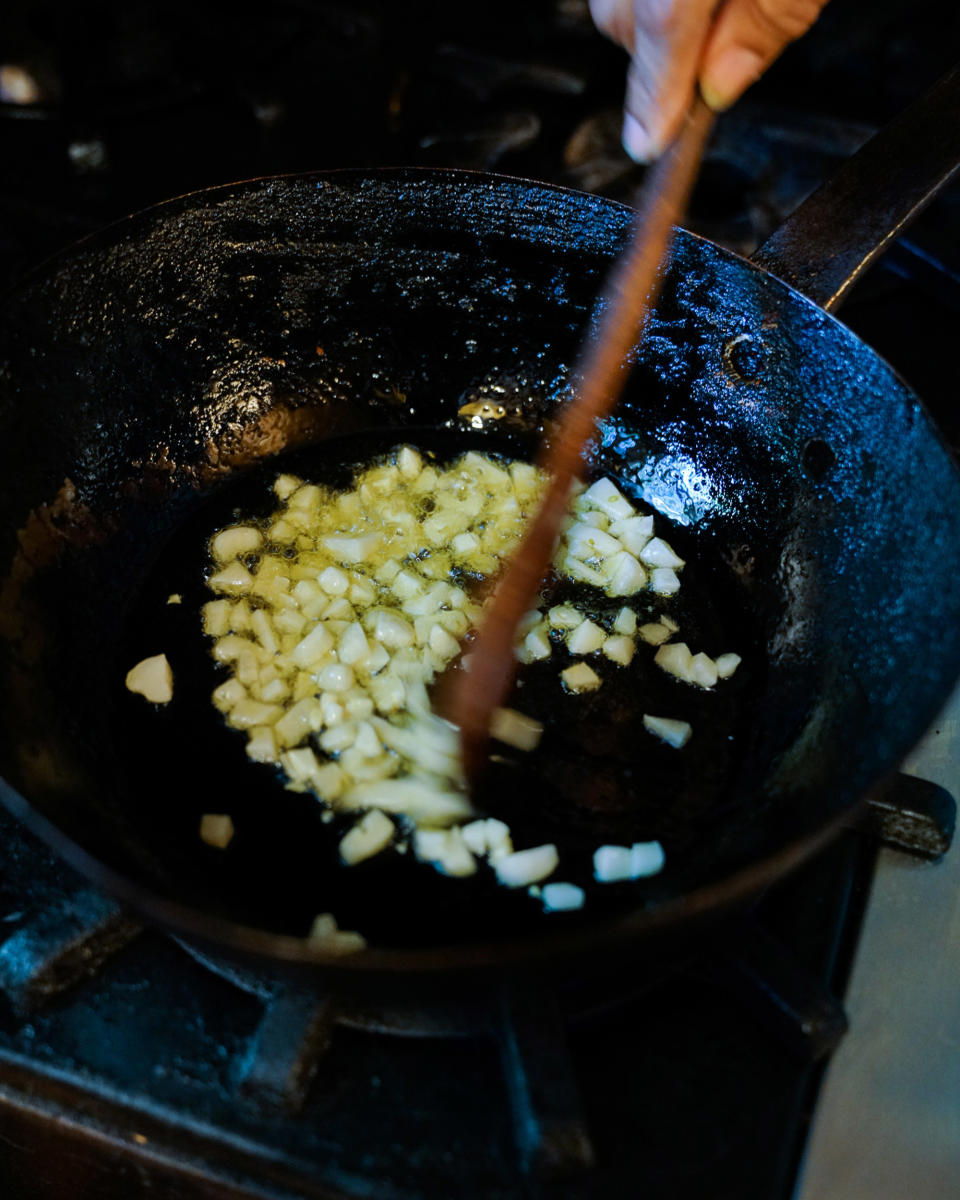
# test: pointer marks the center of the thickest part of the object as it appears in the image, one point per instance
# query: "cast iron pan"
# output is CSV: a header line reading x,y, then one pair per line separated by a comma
x,y
155,378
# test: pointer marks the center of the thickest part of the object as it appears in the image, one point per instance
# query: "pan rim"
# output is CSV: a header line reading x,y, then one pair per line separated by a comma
x,y
49,262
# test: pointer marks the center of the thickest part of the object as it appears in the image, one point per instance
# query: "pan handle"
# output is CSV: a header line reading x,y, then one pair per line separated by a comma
x,y
827,243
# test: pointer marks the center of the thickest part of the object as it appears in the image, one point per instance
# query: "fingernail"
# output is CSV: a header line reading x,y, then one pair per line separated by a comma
x,y
729,75
637,140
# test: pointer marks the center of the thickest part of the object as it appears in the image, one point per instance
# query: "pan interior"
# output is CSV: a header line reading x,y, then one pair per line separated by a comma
x,y
156,377
596,778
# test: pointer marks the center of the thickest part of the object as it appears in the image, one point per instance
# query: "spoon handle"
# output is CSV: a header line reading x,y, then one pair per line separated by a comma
x,y
631,291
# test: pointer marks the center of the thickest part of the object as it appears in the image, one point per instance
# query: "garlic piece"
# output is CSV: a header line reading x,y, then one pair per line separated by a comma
x,y
325,935
726,664
216,829
235,542
371,834
586,638
674,732
619,650
515,729
152,678
561,897
581,678
625,622
654,634
524,867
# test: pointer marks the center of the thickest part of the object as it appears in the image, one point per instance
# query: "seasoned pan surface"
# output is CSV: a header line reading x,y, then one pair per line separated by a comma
x,y
153,380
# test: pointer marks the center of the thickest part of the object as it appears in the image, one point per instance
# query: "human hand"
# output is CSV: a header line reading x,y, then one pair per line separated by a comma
x,y
675,44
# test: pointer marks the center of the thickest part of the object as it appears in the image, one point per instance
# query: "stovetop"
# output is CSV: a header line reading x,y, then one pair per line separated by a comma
x,y
257,1084
127,1066
887,1124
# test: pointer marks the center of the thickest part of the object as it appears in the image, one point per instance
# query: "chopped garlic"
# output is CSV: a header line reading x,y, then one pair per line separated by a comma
x,y
234,577
726,664
488,838
371,834
646,858
247,713
633,533
152,678
657,553
536,645
216,829
605,495
409,462
586,638
673,732
675,658
585,541
325,936
334,581
581,678
579,571
349,550
703,671
664,581
285,486
392,630
611,864
216,617
334,633
235,542
564,616
174,598
262,745
562,897
422,800
314,647
335,677
446,849
615,864
524,867
624,575
353,647
625,622
515,729
442,644
619,650
229,693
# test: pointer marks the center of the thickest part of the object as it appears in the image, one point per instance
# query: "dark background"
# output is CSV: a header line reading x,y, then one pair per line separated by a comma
x,y
133,102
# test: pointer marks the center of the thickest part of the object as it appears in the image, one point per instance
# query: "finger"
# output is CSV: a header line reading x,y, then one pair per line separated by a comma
x,y
668,40
746,38
615,19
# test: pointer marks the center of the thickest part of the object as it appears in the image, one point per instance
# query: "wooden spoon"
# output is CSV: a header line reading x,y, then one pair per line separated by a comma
x,y
468,698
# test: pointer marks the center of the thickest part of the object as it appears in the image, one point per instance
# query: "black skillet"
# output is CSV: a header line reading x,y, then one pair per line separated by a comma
x,y
155,377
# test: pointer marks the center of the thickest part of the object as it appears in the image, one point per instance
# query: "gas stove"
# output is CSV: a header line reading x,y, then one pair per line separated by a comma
x,y
131,1064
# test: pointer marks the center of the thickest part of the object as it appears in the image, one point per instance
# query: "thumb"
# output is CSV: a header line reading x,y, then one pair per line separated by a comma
x,y
747,36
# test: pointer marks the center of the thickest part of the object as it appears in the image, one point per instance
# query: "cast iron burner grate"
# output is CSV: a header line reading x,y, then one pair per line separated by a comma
x,y
154,1063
